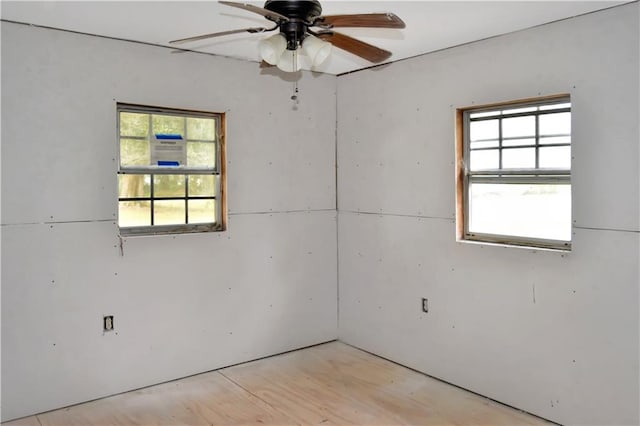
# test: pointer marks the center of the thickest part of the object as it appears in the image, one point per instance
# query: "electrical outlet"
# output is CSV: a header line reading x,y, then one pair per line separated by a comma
x,y
425,305
107,323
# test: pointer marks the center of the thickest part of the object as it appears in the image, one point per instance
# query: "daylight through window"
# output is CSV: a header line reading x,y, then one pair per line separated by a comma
x,y
170,176
514,176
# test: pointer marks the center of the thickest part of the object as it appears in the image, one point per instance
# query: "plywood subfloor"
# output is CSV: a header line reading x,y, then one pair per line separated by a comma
x,y
329,384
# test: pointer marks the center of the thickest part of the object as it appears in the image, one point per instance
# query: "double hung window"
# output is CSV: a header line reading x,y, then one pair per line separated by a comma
x,y
514,173
170,174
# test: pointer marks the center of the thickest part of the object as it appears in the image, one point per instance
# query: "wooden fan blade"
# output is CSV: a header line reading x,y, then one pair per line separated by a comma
x,y
221,33
368,20
273,16
265,64
365,50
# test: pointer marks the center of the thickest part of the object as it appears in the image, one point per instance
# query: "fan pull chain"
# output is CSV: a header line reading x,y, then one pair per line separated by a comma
x,y
294,97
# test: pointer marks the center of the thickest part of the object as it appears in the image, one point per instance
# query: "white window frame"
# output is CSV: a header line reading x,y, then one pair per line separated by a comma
x,y
464,176
218,170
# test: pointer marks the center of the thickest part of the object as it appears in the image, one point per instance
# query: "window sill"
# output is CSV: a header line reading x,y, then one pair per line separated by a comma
x,y
530,248
145,231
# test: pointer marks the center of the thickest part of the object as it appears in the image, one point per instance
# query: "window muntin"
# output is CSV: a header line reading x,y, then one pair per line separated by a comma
x,y
515,173
170,176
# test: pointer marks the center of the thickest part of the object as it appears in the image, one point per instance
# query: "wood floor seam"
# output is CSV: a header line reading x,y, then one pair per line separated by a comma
x,y
256,396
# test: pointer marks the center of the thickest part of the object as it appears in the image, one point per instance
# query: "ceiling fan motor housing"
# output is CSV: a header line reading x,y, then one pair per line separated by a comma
x,y
301,14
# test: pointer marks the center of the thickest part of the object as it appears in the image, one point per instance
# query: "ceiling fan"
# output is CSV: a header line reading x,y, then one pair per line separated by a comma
x,y
302,26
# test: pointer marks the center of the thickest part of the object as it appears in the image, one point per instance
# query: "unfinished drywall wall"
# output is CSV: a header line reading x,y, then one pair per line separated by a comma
x,y
552,333
182,304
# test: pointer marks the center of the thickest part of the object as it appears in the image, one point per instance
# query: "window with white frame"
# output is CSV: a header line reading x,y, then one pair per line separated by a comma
x,y
514,173
170,170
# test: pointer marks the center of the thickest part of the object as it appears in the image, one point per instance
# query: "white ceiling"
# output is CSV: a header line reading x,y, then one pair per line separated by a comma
x,y
431,25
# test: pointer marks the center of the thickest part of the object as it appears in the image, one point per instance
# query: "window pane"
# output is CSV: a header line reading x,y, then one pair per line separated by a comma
x,y
484,114
134,152
559,139
519,110
482,160
557,157
520,158
201,154
201,128
554,106
533,210
134,213
168,186
555,124
518,142
132,124
168,124
134,186
202,185
169,212
479,130
202,211
519,126
484,144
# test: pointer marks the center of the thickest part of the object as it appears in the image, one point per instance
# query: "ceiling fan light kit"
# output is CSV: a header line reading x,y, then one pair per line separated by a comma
x,y
274,51
289,61
316,49
272,48
294,18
